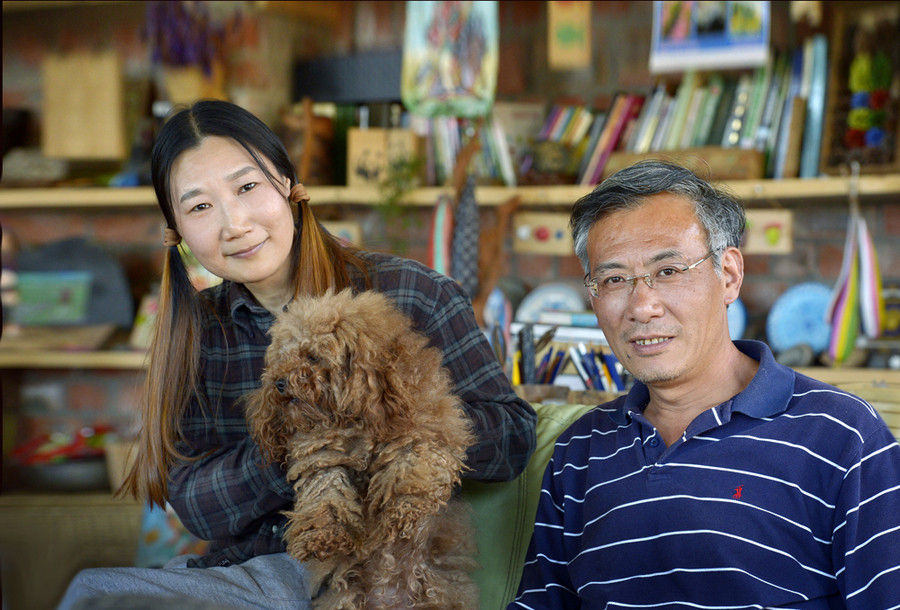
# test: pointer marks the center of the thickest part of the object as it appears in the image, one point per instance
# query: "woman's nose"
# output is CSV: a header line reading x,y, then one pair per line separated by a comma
x,y
235,219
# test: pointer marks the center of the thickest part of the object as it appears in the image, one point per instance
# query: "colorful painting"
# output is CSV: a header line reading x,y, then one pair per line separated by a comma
x,y
705,35
450,58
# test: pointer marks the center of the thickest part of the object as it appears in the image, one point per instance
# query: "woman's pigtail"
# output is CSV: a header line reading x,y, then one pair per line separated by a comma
x,y
171,380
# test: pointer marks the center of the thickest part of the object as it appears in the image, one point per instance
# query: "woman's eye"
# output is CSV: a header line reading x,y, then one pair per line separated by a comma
x,y
200,207
247,187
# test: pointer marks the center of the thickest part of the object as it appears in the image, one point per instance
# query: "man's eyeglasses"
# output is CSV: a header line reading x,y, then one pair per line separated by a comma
x,y
664,277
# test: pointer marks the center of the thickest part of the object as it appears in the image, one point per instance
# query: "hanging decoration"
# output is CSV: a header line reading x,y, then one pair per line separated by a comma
x,y
857,302
441,235
464,247
450,53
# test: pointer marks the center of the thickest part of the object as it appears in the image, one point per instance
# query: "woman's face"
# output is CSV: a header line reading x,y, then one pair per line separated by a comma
x,y
237,224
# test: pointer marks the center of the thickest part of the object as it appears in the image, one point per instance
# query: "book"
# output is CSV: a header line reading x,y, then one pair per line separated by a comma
x,y
771,110
690,124
586,318
591,141
815,109
665,119
774,125
521,122
708,112
759,92
795,138
501,150
682,105
613,124
631,106
782,138
735,122
722,112
651,115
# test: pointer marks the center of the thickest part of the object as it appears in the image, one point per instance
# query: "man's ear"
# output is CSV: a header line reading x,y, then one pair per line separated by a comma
x,y
732,273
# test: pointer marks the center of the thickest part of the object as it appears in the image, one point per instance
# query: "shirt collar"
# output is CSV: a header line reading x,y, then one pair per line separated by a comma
x,y
244,309
767,394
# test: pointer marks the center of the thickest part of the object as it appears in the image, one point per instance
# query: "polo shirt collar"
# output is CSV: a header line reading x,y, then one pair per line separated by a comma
x,y
767,395
770,390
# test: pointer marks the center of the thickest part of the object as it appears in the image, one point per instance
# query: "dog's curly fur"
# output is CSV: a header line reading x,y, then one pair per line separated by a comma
x,y
360,410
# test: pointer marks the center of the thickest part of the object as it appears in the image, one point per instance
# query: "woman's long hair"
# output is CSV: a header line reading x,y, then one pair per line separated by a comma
x,y
319,260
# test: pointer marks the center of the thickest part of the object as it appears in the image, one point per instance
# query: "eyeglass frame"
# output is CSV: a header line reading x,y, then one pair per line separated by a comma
x,y
591,283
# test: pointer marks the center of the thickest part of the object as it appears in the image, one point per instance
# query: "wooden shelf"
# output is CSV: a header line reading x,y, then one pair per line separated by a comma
x,y
52,359
842,376
750,191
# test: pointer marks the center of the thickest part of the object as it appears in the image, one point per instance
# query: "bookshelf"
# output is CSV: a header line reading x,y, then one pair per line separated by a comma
x,y
751,191
134,360
58,359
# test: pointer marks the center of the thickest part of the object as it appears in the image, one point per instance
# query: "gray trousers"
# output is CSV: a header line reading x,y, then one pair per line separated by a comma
x,y
274,581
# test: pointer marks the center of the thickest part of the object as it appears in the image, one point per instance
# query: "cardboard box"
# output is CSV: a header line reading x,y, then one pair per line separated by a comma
x,y
369,151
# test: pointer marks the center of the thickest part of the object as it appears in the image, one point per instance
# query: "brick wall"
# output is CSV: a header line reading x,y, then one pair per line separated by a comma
x,y
620,43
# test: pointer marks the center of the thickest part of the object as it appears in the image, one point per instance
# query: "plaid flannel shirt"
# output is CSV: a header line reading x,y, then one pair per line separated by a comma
x,y
231,498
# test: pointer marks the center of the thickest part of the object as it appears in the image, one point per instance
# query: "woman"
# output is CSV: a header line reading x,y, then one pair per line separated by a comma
x,y
227,189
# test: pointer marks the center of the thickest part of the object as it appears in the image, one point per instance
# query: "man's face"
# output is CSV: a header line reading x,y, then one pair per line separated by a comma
x,y
677,330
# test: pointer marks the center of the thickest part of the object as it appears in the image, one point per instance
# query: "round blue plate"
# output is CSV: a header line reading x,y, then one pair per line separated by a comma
x,y
554,296
798,316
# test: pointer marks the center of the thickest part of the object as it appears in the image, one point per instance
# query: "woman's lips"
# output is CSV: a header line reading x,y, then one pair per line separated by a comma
x,y
249,251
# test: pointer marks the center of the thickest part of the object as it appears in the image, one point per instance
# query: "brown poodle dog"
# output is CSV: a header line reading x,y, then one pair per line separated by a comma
x,y
360,410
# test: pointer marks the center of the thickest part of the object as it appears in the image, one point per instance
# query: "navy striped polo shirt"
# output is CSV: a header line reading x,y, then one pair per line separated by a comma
x,y
786,495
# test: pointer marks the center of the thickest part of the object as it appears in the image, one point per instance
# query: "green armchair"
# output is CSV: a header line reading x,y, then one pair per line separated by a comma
x,y
504,512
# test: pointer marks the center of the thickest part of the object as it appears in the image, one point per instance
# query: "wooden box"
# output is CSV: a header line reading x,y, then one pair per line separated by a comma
x,y
84,107
710,162
370,151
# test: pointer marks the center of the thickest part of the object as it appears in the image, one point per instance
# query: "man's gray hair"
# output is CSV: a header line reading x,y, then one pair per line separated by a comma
x,y
720,214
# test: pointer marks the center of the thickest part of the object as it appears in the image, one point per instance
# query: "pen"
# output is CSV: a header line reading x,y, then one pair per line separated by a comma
x,y
579,368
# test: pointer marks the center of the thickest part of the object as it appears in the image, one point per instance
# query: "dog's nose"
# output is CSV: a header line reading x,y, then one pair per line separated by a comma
x,y
281,385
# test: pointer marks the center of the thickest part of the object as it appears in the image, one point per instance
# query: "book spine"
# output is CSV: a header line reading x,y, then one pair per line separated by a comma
x,y
611,120
631,106
815,110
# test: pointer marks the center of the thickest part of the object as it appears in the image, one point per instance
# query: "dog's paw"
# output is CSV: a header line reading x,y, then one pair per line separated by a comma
x,y
321,544
403,518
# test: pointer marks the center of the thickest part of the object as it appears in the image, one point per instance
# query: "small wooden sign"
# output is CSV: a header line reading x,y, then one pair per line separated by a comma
x,y
542,233
569,35
769,232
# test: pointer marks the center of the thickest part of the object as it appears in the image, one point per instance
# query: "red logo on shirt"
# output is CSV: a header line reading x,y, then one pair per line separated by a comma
x,y
737,492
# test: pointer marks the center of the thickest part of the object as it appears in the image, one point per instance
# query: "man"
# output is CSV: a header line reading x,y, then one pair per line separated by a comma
x,y
722,479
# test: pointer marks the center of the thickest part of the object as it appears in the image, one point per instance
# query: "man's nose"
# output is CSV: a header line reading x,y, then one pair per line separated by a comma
x,y
643,302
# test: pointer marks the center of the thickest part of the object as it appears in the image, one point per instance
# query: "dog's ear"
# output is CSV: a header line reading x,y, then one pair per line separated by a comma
x,y
348,362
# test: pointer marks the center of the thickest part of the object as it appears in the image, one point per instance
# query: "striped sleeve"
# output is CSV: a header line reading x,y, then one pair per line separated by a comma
x,y
545,578
866,537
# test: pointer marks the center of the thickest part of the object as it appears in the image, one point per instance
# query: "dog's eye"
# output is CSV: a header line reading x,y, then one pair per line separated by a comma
x,y
312,358
281,385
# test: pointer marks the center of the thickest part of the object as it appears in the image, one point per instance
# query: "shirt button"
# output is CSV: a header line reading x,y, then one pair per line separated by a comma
x,y
284,308
654,442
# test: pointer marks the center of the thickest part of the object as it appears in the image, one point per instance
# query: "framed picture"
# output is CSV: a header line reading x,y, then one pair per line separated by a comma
x,y
861,113
709,35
